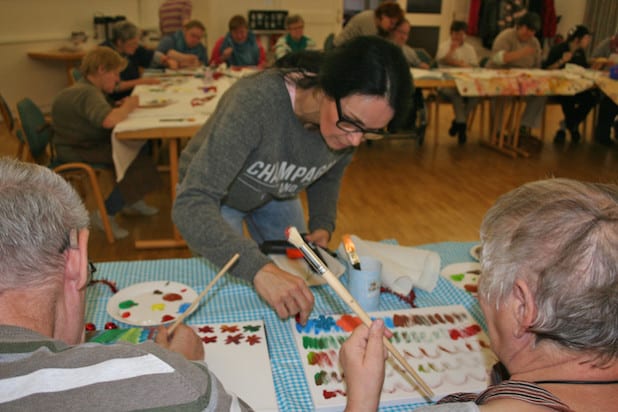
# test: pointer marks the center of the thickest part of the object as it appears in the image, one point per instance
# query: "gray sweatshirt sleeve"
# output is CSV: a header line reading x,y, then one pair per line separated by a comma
x,y
217,162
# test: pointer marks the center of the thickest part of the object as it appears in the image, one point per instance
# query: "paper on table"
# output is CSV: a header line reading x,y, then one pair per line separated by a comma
x,y
403,267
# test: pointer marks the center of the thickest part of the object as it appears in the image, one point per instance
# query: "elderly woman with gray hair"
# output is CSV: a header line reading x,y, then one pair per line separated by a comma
x,y
125,40
549,292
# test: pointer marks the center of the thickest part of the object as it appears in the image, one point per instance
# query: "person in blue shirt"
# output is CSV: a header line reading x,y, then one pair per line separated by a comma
x,y
186,45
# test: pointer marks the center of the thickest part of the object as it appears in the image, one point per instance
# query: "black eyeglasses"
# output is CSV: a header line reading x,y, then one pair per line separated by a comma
x,y
92,269
351,126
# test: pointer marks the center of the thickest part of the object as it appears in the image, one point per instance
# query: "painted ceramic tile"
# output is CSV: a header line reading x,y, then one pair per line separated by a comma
x,y
443,344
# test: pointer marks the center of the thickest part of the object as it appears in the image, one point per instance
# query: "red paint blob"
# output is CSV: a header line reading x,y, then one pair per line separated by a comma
x,y
126,315
90,327
111,325
170,297
167,318
348,322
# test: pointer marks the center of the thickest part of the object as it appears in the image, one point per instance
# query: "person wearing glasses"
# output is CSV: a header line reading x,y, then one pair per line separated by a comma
x,y
275,134
44,274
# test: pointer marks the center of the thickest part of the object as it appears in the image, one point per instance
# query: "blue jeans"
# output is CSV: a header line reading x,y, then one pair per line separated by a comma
x,y
268,222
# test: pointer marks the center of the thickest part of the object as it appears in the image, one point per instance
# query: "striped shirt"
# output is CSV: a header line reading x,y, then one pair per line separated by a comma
x,y
39,373
522,391
172,13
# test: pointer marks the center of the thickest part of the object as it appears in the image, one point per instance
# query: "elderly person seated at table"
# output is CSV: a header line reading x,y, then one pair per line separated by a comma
x,y
44,274
575,108
455,52
380,21
274,135
185,46
239,47
294,40
549,293
518,48
125,40
83,119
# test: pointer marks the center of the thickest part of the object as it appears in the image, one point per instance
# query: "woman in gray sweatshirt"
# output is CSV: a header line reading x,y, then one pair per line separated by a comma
x,y
272,136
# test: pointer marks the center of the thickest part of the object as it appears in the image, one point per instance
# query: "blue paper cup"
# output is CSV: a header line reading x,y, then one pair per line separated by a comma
x,y
364,284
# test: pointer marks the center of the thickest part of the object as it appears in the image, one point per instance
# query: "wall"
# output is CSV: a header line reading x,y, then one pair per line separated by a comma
x,y
27,25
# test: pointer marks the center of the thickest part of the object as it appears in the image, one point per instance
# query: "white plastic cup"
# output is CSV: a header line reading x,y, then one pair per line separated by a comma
x,y
364,284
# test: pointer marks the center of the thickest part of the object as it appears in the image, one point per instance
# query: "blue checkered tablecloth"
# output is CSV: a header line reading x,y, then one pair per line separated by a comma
x,y
233,300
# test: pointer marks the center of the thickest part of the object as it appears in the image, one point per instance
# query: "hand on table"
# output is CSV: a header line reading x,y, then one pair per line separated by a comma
x,y
362,358
566,57
130,102
149,80
184,341
227,53
287,294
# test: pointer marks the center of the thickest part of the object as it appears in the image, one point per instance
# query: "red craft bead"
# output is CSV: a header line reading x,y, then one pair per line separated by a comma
x,y
90,327
111,325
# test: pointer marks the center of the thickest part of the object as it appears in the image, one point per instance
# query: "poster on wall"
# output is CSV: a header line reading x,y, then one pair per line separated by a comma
x,y
424,6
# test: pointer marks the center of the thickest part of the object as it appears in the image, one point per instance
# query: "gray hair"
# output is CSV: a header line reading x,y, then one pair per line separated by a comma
x,y
124,30
38,209
559,236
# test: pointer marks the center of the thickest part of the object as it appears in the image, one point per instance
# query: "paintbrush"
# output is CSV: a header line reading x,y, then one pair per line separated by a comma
x,y
350,250
296,239
197,300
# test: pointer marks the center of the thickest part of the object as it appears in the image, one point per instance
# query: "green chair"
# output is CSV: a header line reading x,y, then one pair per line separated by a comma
x,y
12,127
75,75
38,134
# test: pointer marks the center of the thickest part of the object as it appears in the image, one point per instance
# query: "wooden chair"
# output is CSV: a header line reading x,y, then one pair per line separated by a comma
x,y
12,127
38,134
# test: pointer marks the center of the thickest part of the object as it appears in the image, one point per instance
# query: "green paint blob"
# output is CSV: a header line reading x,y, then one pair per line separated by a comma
x,y
321,378
459,277
126,304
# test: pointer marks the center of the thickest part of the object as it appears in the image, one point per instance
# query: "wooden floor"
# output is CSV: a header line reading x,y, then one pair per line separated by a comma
x,y
396,189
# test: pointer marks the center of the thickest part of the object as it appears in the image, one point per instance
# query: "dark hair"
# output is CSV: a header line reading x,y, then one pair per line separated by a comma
x,y
236,22
531,20
304,60
368,65
458,25
390,9
577,32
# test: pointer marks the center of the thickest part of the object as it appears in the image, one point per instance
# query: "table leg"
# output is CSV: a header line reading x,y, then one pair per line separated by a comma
x,y
176,240
496,137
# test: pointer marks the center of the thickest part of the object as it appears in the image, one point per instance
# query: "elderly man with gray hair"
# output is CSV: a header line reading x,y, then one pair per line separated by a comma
x,y
126,41
44,273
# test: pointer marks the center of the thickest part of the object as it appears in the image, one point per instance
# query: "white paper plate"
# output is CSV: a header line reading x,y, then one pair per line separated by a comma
x,y
300,268
151,303
464,275
475,252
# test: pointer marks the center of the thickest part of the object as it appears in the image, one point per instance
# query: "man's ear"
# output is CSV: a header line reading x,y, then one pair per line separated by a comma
x,y
76,268
524,307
